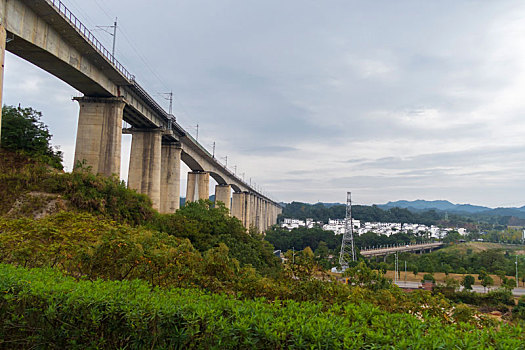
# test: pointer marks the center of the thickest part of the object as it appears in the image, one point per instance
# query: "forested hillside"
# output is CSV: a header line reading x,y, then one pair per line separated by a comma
x,y
320,212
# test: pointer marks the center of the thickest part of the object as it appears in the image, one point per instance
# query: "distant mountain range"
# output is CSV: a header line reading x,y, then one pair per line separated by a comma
x,y
442,205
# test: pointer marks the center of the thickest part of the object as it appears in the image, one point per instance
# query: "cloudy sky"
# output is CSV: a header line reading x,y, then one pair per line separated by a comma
x,y
387,99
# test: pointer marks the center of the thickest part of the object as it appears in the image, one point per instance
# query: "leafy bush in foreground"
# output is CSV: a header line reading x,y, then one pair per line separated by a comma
x,y
85,246
45,309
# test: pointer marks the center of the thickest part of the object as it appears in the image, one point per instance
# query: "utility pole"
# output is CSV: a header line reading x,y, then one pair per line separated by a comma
x,y
197,134
114,35
213,155
405,271
235,170
169,96
517,271
226,161
171,102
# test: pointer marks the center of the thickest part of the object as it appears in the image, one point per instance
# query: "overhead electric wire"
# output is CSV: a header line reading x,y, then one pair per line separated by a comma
x,y
181,111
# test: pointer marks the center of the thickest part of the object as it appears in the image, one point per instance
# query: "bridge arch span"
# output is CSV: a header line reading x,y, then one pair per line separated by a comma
x,y
191,162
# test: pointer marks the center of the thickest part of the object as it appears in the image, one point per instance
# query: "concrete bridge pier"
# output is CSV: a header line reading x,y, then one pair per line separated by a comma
x,y
265,215
222,194
258,217
253,210
238,206
99,133
3,35
145,163
269,221
198,186
170,178
248,211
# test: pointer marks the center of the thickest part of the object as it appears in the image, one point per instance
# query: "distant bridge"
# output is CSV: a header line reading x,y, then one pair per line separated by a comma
x,y
47,34
401,248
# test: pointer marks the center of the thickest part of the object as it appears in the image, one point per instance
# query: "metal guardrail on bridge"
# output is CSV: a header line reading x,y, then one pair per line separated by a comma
x,y
86,33
399,248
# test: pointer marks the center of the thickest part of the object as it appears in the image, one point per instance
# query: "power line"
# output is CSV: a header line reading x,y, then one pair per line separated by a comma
x,y
103,10
139,55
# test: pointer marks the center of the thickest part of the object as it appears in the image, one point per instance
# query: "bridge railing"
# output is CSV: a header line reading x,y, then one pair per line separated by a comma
x,y
90,37
400,246
82,29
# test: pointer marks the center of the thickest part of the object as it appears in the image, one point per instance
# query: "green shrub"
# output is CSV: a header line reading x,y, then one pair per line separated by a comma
x,y
428,277
99,194
206,226
23,131
41,308
519,310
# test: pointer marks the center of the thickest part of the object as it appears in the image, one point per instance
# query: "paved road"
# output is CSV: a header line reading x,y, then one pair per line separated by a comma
x,y
478,289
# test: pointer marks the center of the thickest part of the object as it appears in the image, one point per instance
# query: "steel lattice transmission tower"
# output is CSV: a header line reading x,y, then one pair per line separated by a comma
x,y
347,245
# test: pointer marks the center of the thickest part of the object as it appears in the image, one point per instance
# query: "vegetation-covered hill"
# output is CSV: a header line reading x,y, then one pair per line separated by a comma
x,y
320,212
475,218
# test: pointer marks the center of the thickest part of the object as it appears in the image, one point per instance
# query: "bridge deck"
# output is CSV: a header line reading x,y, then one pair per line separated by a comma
x,y
400,249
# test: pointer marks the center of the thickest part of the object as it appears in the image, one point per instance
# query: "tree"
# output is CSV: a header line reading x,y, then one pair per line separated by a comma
x,y
451,284
428,277
509,283
501,275
468,282
415,270
22,130
362,275
452,236
487,281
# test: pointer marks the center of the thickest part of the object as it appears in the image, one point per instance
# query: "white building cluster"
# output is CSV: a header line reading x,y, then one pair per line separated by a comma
x,y
382,228
296,223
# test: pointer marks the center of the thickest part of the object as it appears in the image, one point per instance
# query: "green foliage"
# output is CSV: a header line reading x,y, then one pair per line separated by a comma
x,y
321,212
18,174
428,277
362,275
498,299
44,307
302,237
99,194
206,226
85,246
96,194
519,310
452,236
508,283
458,259
23,131
468,282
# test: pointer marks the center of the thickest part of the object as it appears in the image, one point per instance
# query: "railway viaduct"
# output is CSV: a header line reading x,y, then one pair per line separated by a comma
x,y
47,34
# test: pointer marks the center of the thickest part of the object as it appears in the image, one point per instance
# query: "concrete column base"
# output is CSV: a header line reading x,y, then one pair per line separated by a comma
x,y
145,164
246,213
222,194
251,209
170,178
99,134
238,205
198,186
